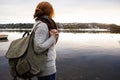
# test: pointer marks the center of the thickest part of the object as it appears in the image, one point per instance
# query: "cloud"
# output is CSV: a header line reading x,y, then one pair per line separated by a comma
x,y
25,8
14,2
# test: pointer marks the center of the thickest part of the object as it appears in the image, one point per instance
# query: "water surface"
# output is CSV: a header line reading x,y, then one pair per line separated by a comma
x,y
80,56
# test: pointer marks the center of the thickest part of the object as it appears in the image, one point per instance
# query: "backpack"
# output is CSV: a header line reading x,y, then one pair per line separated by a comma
x,y
24,62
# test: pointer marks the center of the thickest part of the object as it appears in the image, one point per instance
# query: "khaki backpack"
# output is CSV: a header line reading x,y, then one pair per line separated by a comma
x,y
24,62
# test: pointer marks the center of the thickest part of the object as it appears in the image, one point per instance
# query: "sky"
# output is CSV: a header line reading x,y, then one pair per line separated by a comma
x,y
66,11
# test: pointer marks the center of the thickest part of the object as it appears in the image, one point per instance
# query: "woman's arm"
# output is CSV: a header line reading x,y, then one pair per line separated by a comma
x,y
40,42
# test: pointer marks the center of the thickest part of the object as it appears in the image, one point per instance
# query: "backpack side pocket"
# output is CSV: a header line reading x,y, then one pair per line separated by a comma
x,y
23,66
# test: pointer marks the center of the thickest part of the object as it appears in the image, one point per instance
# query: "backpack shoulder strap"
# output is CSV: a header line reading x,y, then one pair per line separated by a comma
x,y
34,29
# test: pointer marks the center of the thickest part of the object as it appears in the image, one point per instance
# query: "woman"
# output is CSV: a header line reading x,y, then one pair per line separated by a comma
x,y
46,36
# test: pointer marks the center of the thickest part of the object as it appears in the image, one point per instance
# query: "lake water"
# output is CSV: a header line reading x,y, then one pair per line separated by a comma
x,y
78,41
80,56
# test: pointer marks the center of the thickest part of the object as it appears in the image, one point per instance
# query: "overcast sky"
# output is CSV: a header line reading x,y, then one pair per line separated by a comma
x,y
101,11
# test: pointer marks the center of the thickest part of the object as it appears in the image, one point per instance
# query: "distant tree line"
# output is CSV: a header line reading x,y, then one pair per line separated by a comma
x,y
84,26
111,27
16,26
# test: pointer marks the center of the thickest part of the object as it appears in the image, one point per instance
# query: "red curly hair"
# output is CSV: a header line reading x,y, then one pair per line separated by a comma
x,y
43,8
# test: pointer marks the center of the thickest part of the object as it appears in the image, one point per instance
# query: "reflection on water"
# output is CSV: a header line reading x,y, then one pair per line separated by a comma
x,y
85,30
80,41
62,30
89,41
13,35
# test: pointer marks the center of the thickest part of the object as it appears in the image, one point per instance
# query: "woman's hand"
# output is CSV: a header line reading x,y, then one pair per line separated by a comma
x,y
54,32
